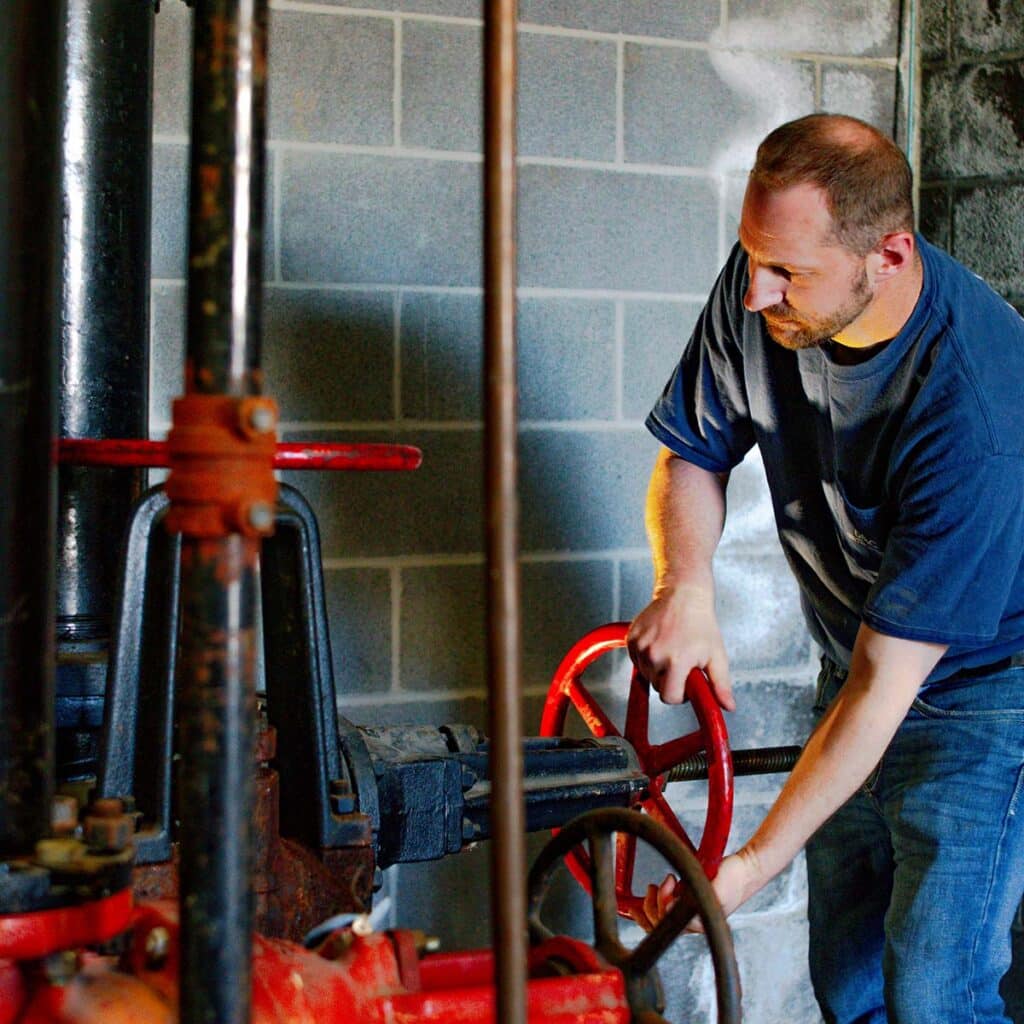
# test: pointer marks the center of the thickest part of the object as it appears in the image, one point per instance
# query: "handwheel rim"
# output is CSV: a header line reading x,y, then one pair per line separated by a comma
x,y
638,963
567,690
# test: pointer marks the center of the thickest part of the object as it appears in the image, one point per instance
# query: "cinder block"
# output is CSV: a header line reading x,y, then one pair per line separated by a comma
x,y
866,28
759,611
987,26
436,509
670,19
452,8
773,713
987,228
566,359
172,68
442,356
756,603
363,219
566,97
933,29
864,92
735,190
709,109
442,86
772,953
934,214
654,336
169,242
330,78
973,127
166,352
561,601
443,640
750,519
328,356
681,109
611,230
359,609
418,709
583,490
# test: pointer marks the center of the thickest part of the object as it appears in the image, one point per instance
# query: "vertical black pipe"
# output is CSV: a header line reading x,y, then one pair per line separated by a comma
x,y
216,671
31,34
106,156
508,850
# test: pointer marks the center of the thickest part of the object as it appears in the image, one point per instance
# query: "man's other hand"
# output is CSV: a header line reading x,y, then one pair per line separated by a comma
x,y
739,877
674,634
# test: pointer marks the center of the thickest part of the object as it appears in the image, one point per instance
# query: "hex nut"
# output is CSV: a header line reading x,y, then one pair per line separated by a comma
x,y
103,833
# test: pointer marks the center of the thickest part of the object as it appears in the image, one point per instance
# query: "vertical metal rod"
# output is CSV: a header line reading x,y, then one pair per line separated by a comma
x,y
107,146
216,665
31,38
508,849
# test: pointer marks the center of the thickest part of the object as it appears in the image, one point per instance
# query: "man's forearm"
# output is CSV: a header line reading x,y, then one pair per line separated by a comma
x,y
684,515
848,743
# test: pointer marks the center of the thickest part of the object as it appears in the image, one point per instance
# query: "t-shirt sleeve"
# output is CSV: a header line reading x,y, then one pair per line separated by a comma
x,y
954,554
703,415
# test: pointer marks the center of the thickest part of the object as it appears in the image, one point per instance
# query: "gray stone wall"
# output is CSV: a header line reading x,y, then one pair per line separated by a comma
x,y
972,136
636,124
972,177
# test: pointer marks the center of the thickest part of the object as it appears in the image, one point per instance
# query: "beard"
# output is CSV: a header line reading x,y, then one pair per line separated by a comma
x,y
796,331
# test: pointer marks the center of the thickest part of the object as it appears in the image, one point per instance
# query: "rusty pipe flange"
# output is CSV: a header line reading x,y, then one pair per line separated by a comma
x,y
221,452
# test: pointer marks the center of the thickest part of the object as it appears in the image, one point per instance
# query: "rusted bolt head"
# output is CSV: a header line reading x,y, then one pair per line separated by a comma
x,y
108,833
260,515
262,419
63,815
157,947
257,416
105,807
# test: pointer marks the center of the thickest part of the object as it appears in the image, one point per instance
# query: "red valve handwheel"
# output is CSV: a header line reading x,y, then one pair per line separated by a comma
x,y
655,759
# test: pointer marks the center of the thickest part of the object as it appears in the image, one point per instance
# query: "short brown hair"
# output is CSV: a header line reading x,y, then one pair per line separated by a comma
x,y
866,179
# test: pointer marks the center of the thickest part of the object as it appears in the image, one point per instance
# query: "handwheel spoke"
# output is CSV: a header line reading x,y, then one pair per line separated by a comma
x,y
668,755
658,808
625,859
644,957
602,874
638,713
590,711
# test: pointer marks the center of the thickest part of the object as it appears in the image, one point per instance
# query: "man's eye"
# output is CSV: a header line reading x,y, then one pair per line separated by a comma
x,y
782,272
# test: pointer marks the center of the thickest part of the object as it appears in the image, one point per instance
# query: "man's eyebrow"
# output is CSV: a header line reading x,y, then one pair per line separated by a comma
x,y
789,267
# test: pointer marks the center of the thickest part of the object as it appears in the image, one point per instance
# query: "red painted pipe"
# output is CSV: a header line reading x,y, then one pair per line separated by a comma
x,y
290,455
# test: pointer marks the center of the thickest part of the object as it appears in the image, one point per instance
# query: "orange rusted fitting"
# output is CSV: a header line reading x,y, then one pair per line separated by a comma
x,y
221,452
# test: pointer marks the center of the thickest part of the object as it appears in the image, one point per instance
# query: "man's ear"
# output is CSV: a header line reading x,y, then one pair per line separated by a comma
x,y
893,254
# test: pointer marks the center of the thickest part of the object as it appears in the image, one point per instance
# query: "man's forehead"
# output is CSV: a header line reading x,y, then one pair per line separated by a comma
x,y
794,219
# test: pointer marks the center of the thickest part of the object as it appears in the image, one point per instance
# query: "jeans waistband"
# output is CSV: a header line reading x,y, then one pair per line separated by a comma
x,y
1010,661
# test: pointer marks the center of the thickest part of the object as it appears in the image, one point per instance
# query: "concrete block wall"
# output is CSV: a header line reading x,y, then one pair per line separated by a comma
x,y
972,136
637,122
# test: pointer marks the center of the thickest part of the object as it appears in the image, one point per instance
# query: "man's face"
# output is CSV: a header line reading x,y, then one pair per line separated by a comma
x,y
803,283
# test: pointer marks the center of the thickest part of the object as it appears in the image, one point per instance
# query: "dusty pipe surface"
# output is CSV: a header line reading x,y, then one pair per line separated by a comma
x,y
216,665
508,849
31,37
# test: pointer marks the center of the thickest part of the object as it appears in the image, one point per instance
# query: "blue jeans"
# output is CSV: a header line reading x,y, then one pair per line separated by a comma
x,y
914,882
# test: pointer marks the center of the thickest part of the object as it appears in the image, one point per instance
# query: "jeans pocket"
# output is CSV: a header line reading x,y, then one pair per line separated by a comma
x,y
995,698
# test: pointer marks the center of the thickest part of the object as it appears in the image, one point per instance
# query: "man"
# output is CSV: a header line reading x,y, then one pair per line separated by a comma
x,y
880,380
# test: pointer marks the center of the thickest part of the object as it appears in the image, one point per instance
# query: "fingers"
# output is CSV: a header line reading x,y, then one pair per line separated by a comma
x,y
717,671
657,901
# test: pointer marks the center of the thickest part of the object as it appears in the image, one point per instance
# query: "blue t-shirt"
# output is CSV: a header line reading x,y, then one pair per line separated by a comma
x,y
898,483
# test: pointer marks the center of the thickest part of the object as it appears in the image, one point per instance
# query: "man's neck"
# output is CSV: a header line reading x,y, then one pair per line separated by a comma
x,y
887,312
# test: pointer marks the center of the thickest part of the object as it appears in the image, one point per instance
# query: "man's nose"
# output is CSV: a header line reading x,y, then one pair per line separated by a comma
x,y
766,289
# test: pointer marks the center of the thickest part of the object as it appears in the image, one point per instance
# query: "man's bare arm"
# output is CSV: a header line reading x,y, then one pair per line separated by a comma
x,y
678,630
853,734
